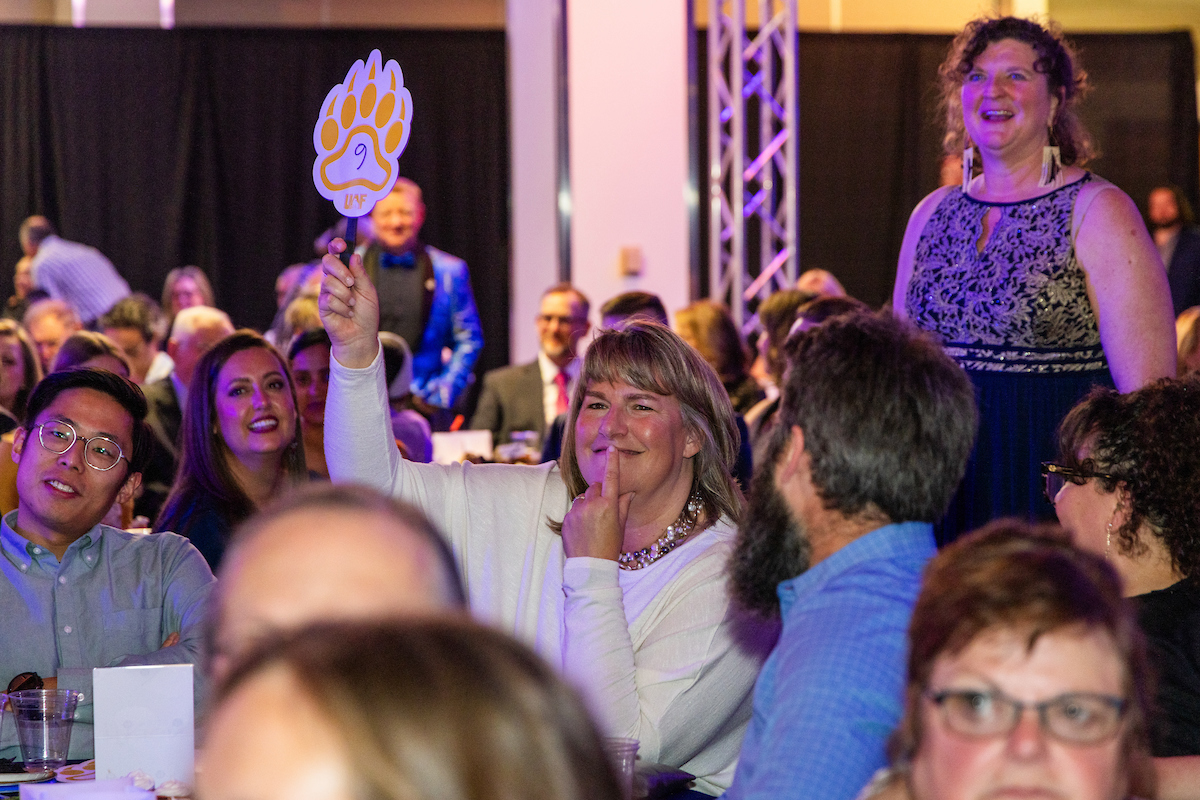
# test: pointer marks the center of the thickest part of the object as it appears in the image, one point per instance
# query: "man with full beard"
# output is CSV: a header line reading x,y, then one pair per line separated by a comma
x,y
874,432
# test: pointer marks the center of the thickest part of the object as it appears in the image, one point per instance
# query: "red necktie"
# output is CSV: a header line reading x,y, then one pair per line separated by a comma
x,y
561,380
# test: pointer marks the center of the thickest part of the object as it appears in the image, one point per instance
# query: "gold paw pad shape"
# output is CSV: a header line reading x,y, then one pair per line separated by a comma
x,y
362,129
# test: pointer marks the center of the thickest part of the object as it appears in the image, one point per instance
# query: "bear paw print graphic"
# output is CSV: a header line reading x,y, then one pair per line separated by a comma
x,y
363,128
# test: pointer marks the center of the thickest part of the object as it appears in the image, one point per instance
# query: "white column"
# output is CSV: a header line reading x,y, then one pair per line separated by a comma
x,y
533,108
627,70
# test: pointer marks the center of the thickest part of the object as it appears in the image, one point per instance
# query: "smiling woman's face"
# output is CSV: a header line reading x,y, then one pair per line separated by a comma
x,y
1006,102
647,431
254,409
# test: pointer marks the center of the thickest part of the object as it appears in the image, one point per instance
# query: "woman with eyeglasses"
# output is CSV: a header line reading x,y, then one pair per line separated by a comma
x,y
1127,486
1027,677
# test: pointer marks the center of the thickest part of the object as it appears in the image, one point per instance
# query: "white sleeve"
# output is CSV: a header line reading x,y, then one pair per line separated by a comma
x,y
682,684
360,448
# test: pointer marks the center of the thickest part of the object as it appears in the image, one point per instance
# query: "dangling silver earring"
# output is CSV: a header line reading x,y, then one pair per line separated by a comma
x,y
1108,539
968,165
1052,169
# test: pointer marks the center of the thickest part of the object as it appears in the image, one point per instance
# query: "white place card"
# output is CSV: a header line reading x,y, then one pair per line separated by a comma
x,y
451,447
144,722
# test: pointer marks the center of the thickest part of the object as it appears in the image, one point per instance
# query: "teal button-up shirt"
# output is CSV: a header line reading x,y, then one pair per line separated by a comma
x,y
112,601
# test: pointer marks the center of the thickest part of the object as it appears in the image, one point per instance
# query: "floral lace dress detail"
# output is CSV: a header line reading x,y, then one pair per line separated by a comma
x,y
1020,304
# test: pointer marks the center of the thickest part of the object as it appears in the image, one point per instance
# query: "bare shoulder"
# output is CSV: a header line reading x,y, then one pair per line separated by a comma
x,y
1100,206
908,248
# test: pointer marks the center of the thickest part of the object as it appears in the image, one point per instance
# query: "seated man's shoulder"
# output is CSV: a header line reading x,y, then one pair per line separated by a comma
x,y
147,549
511,374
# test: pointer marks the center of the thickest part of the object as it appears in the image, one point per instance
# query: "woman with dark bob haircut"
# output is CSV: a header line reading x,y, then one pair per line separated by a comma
x,y
404,710
1127,487
241,442
1038,276
1027,674
612,561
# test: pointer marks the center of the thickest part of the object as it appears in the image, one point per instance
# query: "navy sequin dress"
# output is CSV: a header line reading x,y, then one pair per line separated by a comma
x,y
1016,316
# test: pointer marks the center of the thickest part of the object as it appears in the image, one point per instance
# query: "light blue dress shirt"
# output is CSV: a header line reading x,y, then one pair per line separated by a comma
x,y
833,689
112,601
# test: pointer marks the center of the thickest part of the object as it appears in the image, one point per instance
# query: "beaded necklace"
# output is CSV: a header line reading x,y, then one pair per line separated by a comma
x,y
676,533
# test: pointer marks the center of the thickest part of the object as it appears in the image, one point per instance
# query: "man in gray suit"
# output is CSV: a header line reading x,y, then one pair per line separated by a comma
x,y
528,397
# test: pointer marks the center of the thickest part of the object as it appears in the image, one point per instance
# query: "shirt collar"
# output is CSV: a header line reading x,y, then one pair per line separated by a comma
x,y
22,552
550,370
898,541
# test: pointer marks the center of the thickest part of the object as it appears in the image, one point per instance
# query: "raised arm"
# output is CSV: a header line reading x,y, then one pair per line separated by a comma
x,y
1127,287
349,308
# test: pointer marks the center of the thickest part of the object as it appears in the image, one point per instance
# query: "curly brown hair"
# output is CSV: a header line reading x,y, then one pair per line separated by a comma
x,y
1056,59
1147,440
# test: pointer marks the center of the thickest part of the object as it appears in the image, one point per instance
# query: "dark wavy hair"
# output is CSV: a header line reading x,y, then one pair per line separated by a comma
x,y
1056,59
888,418
442,710
203,462
1149,441
1030,580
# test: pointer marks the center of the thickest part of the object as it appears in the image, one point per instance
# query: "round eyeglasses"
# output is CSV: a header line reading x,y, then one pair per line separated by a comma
x,y
1057,476
99,452
1076,718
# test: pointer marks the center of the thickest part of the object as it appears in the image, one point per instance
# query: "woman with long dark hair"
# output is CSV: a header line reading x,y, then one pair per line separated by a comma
x,y
241,442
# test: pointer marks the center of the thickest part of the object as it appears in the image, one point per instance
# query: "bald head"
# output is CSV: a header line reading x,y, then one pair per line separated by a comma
x,y
195,331
330,553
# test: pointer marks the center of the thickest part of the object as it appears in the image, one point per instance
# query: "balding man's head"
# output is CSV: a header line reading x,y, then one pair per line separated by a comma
x,y
195,331
330,553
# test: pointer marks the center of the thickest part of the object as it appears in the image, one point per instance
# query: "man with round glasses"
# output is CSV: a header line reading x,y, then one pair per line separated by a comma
x,y
76,593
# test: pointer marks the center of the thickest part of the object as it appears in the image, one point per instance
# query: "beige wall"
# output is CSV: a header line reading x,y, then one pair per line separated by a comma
x,y
471,14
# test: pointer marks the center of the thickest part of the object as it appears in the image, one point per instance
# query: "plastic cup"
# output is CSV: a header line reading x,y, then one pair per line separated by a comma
x,y
44,718
622,753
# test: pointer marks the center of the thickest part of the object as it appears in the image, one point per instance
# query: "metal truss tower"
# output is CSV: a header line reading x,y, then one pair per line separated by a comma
x,y
752,185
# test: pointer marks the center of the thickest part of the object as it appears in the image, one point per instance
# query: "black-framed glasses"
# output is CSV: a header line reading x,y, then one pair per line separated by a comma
x,y
1075,718
99,452
1056,476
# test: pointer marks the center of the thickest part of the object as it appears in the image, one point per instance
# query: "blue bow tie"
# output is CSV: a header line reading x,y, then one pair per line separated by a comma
x,y
407,260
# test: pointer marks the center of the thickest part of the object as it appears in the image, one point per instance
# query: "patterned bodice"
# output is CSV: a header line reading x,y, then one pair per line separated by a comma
x,y
1021,304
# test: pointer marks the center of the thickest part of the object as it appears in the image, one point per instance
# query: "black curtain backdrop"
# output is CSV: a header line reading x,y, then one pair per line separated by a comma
x,y
165,148
870,137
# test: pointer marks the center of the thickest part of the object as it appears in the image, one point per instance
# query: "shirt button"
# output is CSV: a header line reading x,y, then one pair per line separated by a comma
x,y
37,550
66,629
62,579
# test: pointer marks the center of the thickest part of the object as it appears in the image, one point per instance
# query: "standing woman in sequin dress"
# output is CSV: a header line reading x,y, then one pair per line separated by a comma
x,y
1038,276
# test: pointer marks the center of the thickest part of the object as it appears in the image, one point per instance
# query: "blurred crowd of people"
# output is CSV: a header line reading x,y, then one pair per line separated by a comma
x,y
719,541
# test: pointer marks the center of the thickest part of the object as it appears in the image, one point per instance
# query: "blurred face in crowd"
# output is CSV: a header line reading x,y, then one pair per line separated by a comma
x,y
292,573
12,370
23,277
310,373
271,720
189,348
561,322
1163,210
1031,757
397,220
139,352
186,293
48,333
254,408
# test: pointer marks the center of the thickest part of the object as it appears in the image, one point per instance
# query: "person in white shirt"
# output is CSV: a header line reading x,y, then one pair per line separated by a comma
x,y
78,274
613,567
